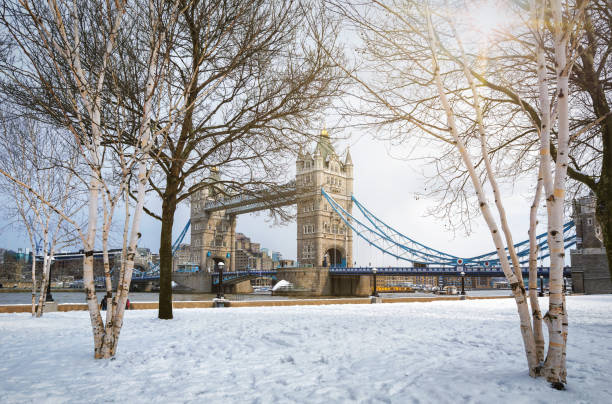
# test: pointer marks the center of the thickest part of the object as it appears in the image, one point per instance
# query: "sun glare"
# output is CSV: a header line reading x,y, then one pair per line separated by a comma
x,y
484,18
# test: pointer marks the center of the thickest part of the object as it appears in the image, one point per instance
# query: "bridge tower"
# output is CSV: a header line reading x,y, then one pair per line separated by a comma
x,y
589,261
213,234
322,237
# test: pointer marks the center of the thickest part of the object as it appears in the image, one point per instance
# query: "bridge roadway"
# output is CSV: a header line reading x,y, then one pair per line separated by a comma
x,y
380,271
437,271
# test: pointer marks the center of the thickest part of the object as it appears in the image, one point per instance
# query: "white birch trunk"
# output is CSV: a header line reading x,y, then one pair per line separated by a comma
x,y
518,289
485,157
33,246
45,272
556,200
107,220
533,272
34,281
144,138
91,99
88,261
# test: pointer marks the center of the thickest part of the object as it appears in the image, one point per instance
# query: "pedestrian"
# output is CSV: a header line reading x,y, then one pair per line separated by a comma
x,y
103,303
127,304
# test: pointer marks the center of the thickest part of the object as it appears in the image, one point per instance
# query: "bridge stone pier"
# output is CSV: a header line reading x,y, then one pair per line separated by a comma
x,y
198,282
307,281
319,282
202,282
358,285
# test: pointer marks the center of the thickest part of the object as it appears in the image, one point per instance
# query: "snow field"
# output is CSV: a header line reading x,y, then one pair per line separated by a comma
x,y
439,352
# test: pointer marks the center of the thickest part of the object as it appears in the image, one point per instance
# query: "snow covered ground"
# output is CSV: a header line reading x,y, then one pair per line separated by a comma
x,y
439,352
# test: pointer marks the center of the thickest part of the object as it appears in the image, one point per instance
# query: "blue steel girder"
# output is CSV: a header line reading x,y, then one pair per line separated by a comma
x,y
391,233
154,269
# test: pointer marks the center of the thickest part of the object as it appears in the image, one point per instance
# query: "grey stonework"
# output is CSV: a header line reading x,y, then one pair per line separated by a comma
x,y
590,273
322,237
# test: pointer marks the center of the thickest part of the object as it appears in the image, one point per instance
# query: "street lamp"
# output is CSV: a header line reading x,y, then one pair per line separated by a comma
x,y
375,294
220,266
462,282
541,294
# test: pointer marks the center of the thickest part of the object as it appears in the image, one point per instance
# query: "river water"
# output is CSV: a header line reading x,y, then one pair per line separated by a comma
x,y
9,297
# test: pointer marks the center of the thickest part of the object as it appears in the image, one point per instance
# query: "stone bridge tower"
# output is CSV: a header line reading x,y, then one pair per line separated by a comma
x,y
322,237
213,234
589,261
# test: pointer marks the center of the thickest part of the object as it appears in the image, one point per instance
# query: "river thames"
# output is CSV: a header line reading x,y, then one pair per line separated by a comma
x,y
78,296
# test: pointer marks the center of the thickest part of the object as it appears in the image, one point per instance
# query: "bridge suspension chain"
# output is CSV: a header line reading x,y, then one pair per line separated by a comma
x,y
378,239
392,242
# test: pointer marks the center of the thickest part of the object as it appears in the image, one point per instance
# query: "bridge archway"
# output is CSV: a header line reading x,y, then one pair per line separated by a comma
x,y
335,257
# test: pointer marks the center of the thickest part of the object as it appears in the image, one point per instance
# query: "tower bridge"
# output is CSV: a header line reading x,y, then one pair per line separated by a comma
x,y
322,238
323,194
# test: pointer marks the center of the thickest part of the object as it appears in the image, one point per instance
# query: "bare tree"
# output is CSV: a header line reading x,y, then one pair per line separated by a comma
x,y
427,75
512,82
247,79
62,60
30,154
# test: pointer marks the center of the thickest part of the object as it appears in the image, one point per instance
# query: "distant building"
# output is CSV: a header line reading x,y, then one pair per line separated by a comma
x,y
589,261
266,261
142,258
286,263
182,257
155,258
247,254
276,256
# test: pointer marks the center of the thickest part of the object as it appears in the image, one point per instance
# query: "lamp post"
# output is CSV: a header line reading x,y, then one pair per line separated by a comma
x,y
220,266
462,283
375,294
541,294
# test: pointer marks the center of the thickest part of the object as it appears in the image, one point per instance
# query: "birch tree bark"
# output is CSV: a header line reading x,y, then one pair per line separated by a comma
x,y
533,272
518,288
